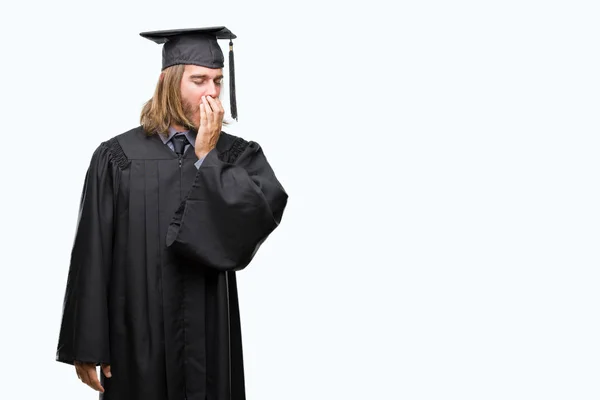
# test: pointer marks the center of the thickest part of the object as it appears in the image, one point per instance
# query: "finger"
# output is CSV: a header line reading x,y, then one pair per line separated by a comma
x,y
207,106
82,374
92,375
203,117
212,115
106,370
218,100
216,106
77,371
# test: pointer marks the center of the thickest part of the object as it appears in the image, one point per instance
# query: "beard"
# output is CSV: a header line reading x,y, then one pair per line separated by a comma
x,y
190,111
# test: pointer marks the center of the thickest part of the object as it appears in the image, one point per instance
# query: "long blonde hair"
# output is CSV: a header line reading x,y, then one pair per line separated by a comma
x,y
165,108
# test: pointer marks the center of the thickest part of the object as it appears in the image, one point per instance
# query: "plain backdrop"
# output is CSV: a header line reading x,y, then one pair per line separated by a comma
x,y
441,158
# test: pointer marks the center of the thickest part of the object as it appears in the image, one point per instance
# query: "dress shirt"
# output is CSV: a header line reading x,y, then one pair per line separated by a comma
x,y
190,137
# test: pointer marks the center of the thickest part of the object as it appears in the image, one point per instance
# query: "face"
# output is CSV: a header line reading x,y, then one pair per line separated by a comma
x,y
196,82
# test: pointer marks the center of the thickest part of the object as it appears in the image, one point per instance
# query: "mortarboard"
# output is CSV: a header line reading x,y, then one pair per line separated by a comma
x,y
197,46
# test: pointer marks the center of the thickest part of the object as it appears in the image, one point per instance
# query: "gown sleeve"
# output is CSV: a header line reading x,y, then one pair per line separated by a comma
x,y
230,210
84,328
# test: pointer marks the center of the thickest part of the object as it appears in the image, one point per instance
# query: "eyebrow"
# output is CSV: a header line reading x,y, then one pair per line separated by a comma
x,y
203,76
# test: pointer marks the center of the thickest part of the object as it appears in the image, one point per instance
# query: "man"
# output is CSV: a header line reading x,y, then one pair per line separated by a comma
x,y
169,211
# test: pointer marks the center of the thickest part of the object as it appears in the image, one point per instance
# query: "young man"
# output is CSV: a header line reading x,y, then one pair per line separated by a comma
x,y
169,211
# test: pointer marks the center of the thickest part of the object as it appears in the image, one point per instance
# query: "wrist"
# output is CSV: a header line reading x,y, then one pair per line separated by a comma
x,y
201,153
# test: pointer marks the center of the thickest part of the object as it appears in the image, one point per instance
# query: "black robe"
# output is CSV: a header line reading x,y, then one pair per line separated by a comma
x,y
151,288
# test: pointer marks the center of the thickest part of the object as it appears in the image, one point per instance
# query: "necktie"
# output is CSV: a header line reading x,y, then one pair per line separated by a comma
x,y
179,143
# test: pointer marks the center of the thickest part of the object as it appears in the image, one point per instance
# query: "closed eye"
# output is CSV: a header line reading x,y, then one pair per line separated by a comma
x,y
217,82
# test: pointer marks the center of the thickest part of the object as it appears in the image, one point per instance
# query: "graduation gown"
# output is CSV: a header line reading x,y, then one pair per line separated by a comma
x,y
151,288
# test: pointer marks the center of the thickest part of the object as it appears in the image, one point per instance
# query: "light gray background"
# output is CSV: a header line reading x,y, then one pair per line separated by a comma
x,y
441,237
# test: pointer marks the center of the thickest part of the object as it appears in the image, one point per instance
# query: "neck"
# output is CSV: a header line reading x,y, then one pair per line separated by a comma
x,y
178,128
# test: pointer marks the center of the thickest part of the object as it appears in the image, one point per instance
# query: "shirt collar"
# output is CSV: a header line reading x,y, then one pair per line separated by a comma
x,y
190,135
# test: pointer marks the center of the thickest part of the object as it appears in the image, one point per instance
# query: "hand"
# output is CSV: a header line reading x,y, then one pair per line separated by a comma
x,y
87,373
211,121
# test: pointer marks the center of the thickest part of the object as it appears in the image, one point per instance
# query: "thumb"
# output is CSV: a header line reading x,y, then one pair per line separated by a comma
x,y
106,370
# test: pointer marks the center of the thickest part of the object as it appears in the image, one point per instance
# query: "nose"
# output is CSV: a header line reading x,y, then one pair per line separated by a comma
x,y
213,90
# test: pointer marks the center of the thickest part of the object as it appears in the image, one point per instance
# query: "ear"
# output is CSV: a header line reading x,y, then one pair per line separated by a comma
x,y
162,75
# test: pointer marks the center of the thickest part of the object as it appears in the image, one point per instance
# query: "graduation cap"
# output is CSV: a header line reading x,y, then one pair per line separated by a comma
x,y
197,46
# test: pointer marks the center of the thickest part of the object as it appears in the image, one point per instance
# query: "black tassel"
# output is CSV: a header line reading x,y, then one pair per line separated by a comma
x,y
232,99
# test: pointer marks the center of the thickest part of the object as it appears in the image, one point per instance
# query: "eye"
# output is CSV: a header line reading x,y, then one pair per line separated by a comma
x,y
219,82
